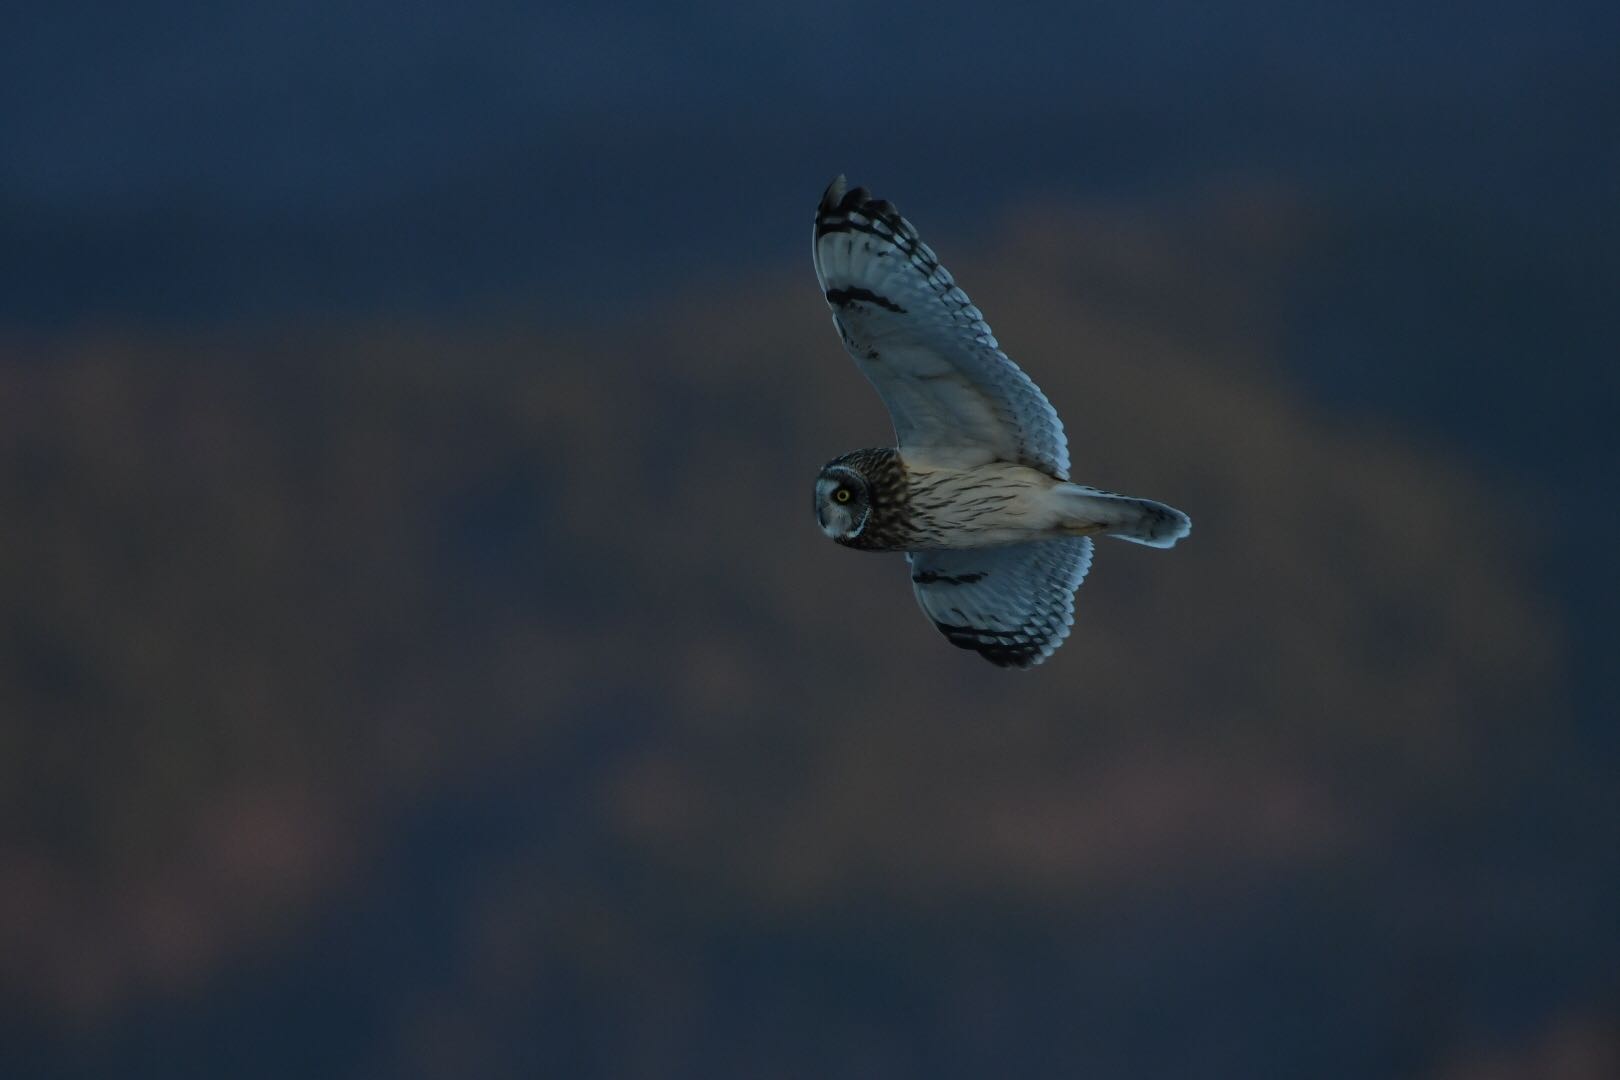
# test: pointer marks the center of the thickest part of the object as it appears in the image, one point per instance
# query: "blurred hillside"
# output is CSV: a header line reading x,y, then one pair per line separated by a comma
x,y
476,697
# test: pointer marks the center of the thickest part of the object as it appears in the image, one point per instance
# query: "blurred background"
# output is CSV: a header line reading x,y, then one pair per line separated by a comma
x,y
418,657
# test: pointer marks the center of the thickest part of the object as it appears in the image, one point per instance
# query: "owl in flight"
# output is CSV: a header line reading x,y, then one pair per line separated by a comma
x,y
977,492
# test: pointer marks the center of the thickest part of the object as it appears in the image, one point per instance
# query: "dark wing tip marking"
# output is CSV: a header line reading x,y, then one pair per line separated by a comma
x,y
1003,648
840,200
845,297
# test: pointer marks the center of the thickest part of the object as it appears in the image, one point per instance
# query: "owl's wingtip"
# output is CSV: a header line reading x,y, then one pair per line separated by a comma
x,y
834,193
840,200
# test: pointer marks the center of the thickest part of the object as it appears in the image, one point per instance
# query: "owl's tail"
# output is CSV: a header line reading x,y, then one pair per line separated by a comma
x,y
1092,511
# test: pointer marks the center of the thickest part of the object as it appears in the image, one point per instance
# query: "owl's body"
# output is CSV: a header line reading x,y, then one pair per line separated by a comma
x,y
977,491
927,505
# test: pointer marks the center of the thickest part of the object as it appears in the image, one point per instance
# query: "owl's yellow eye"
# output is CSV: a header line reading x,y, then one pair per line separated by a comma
x,y
841,495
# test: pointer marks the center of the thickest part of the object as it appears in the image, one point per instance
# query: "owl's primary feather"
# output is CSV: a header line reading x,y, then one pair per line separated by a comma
x,y
977,492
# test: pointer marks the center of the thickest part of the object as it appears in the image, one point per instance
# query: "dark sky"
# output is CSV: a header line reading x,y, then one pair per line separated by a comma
x,y
379,154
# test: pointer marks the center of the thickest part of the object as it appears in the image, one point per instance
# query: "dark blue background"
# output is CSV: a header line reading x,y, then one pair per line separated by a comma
x,y
223,197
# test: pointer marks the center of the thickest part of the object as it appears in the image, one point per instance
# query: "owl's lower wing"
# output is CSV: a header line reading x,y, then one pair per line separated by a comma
x,y
1013,605
923,344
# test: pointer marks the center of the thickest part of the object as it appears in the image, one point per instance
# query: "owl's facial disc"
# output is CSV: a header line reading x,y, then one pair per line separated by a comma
x,y
841,504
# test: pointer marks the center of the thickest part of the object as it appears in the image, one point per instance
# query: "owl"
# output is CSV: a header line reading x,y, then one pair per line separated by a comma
x,y
976,492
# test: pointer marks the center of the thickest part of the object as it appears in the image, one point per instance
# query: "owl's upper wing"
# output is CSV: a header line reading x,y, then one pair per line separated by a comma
x,y
923,344
1014,604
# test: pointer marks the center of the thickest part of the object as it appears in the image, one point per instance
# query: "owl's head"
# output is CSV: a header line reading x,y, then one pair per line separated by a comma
x,y
843,502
